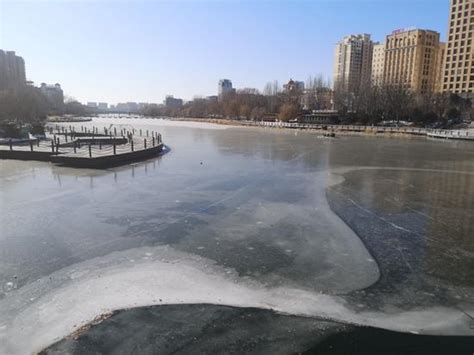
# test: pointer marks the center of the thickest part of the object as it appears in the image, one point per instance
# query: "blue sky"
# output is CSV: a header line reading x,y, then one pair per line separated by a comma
x,y
117,51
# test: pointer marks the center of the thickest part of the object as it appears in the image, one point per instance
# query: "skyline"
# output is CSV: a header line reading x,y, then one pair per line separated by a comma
x,y
184,48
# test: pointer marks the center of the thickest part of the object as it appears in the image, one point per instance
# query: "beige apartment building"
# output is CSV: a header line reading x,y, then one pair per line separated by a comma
x,y
353,63
459,65
411,59
440,65
378,64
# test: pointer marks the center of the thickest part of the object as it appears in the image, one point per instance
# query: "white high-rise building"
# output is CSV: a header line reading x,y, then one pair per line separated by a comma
x,y
353,63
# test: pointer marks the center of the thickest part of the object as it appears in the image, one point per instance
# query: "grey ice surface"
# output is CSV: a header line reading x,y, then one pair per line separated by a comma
x,y
383,226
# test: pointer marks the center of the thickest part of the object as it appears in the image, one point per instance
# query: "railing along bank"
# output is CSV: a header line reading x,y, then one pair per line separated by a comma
x,y
438,133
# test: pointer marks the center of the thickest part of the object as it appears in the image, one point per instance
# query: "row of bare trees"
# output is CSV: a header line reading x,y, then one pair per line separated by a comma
x,y
374,104
273,102
23,104
243,104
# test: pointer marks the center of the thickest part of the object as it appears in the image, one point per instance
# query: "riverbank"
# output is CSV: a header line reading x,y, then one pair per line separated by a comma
x,y
462,134
68,119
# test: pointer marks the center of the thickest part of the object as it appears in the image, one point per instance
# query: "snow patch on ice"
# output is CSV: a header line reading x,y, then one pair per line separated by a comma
x,y
39,314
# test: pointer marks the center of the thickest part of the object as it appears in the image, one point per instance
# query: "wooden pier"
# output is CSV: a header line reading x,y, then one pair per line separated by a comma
x,y
88,148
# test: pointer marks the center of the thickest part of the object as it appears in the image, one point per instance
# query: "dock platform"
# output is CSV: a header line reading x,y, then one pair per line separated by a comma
x,y
89,149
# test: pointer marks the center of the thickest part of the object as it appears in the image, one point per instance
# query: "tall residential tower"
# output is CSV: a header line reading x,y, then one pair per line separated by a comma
x,y
459,64
411,59
12,70
353,63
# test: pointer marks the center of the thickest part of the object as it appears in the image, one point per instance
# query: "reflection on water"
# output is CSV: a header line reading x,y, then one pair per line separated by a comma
x,y
435,209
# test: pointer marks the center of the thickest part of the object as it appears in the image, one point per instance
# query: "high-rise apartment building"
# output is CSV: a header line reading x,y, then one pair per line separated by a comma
x,y
378,64
224,87
353,63
12,70
459,65
411,59
440,65
54,94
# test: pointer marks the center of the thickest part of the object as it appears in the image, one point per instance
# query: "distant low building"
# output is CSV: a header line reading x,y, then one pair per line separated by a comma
x,y
294,86
127,107
172,102
212,98
142,105
54,95
132,107
103,106
92,105
320,117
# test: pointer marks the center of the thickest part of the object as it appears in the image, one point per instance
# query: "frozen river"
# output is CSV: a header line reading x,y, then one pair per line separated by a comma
x,y
354,230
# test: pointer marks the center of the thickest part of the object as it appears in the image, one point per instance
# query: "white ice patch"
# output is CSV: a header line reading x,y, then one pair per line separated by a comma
x,y
45,311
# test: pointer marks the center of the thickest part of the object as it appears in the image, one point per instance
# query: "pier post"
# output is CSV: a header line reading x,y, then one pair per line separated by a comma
x,y
57,147
153,140
74,145
115,148
144,143
11,144
65,137
37,142
115,131
100,144
131,144
147,133
31,145
90,151
52,146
